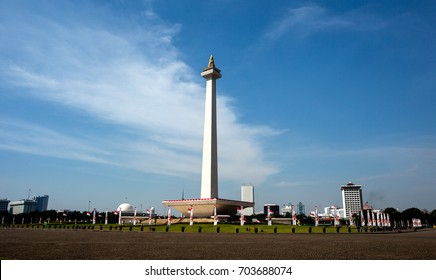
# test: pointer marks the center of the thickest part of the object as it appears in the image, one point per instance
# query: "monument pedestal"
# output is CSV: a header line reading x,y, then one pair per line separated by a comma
x,y
203,207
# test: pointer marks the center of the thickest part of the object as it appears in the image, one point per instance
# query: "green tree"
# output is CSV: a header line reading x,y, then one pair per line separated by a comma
x,y
357,219
433,216
395,216
428,218
412,213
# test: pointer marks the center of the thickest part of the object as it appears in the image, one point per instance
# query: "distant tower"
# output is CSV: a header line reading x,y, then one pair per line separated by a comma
x,y
352,198
247,194
209,173
301,209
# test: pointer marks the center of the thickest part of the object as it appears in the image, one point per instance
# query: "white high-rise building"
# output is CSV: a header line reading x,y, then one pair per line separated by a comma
x,y
352,198
247,194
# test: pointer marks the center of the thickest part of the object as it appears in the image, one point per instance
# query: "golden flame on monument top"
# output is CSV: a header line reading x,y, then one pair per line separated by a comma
x,y
211,65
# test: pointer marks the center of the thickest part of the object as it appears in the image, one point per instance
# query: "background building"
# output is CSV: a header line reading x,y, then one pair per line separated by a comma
x,y
273,207
352,198
333,211
247,194
4,204
301,209
41,203
367,206
23,206
128,214
287,209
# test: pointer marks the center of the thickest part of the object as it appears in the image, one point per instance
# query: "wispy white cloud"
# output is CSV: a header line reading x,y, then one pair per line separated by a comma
x,y
334,165
134,82
310,18
23,137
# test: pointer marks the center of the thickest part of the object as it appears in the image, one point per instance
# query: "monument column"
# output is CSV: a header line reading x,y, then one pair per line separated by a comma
x,y
209,203
209,172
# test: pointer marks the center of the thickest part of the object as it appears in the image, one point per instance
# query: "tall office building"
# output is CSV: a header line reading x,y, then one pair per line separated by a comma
x,y
247,194
352,198
41,203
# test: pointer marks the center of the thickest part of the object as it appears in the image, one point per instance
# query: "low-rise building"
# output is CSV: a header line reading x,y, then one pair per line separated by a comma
x,y
23,206
274,208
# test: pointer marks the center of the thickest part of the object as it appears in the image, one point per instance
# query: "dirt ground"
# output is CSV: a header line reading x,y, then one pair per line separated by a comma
x,y
44,244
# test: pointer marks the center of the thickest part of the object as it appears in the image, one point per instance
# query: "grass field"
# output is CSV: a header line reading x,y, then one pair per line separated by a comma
x,y
206,228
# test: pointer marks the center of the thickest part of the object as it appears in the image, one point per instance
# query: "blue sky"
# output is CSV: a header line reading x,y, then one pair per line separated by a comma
x,y
103,101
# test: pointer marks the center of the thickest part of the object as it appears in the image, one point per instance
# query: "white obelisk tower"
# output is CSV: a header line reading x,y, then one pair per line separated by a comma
x,y
209,202
209,173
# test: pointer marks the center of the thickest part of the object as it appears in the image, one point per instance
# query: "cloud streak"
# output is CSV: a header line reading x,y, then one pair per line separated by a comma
x,y
137,86
310,18
26,138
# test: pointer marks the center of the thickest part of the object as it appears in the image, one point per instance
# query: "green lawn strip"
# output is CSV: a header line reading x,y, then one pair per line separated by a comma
x,y
198,227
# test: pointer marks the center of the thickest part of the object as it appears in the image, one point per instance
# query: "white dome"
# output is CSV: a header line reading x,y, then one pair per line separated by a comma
x,y
125,207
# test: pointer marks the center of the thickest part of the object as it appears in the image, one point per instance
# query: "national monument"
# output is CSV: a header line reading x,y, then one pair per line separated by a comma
x,y
209,199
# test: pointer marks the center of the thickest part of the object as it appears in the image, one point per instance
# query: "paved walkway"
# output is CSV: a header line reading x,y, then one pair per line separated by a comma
x,y
87,244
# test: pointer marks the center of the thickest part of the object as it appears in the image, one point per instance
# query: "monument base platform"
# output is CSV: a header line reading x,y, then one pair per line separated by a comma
x,y
203,207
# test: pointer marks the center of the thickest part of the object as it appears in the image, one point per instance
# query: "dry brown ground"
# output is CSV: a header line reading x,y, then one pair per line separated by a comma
x,y
87,244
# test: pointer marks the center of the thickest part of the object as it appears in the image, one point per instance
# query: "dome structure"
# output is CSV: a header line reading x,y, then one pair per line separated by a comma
x,y
125,207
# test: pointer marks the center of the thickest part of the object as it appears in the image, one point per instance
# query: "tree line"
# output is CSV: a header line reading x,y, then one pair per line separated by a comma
x,y
53,216
427,218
